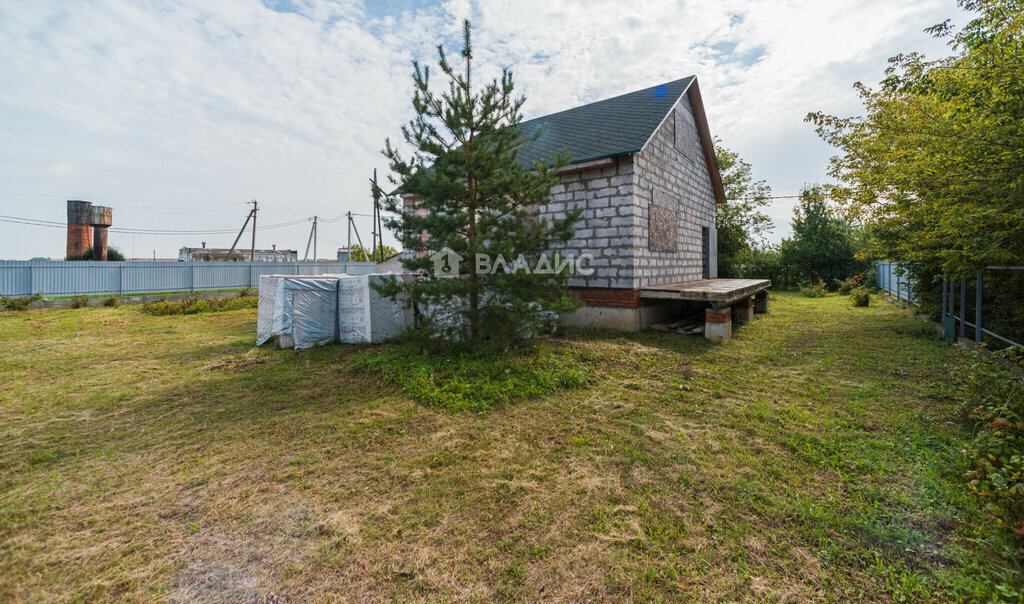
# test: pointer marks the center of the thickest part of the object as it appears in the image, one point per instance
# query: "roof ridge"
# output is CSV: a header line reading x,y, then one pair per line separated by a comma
x,y
611,98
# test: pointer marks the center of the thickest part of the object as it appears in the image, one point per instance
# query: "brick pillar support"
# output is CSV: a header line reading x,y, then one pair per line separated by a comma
x,y
761,302
744,310
99,243
718,324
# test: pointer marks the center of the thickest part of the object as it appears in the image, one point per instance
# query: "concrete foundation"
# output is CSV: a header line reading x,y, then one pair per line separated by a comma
x,y
718,324
761,302
621,319
743,311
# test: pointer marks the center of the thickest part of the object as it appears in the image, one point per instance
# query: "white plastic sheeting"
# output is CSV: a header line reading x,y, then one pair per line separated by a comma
x,y
270,314
366,316
388,317
311,311
353,309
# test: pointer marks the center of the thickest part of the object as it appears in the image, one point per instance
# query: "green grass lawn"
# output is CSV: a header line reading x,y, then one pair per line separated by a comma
x,y
166,458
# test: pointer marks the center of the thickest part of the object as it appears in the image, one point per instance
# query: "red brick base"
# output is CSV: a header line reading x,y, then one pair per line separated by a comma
x,y
718,316
612,298
79,239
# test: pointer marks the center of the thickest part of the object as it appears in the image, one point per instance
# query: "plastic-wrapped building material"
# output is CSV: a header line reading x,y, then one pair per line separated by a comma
x,y
302,312
313,309
388,317
449,321
366,316
270,314
353,309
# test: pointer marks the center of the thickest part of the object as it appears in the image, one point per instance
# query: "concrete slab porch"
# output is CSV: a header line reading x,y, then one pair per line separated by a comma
x,y
721,292
723,295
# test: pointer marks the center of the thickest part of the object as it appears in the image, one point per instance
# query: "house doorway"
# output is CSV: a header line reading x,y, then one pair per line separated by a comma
x,y
705,252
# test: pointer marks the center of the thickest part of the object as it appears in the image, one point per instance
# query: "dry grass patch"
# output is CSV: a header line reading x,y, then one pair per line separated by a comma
x,y
166,458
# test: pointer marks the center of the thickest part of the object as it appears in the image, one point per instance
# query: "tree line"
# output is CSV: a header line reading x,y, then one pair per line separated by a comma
x,y
824,247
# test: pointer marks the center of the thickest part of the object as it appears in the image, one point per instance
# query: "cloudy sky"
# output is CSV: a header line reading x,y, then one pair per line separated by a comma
x,y
178,113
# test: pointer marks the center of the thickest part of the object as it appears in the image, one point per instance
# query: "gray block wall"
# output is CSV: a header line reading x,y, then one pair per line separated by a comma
x,y
668,178
607,229
671,173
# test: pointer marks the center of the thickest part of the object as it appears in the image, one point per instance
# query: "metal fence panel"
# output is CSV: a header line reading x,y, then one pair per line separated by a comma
x,y
58,278
955,318
891,281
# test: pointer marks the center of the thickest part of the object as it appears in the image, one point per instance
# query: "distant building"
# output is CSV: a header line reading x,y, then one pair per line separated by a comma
x,y
211,254
391,265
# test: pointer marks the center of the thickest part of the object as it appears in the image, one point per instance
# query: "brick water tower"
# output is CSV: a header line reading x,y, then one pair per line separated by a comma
x,y
87,224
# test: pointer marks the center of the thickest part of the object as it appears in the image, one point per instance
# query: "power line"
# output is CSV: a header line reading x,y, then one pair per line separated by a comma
x,y
135,231
62,198
768,197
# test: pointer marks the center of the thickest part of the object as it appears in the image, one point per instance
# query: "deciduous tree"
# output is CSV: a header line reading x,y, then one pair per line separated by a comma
x,y
936,164
740,222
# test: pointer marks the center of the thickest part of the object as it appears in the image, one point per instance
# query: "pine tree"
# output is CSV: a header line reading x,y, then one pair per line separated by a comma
x,y
474,198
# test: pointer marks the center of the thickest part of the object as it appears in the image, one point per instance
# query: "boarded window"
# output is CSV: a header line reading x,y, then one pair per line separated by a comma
x,y
662,229
687,141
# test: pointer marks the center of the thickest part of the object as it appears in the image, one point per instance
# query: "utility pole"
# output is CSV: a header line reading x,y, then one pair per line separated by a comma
x,y
379,231
352,227
309,241
314,238
252,252
248,217
349,253
373,219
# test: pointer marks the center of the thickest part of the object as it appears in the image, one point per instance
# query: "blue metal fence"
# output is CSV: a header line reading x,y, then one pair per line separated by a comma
x,y
951,289
894,281
962,303
57,278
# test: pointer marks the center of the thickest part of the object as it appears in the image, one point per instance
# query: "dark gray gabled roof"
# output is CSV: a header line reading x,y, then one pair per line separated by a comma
x,y
621,125
617,126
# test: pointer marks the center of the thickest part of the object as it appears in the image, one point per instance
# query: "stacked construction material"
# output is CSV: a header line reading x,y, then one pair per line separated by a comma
x,y
302,312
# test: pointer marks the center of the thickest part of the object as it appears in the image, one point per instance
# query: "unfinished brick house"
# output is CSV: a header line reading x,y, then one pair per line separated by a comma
x,y
643,169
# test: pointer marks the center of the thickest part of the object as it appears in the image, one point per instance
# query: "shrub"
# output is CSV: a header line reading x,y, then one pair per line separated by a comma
x,y
19,303
245,293
113,255
112,301
813,290
477,380
849,284
193,306
79,301
767,263
861,296
992,398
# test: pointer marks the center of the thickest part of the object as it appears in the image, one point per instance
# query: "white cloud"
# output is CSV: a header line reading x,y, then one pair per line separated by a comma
x,y
216,103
